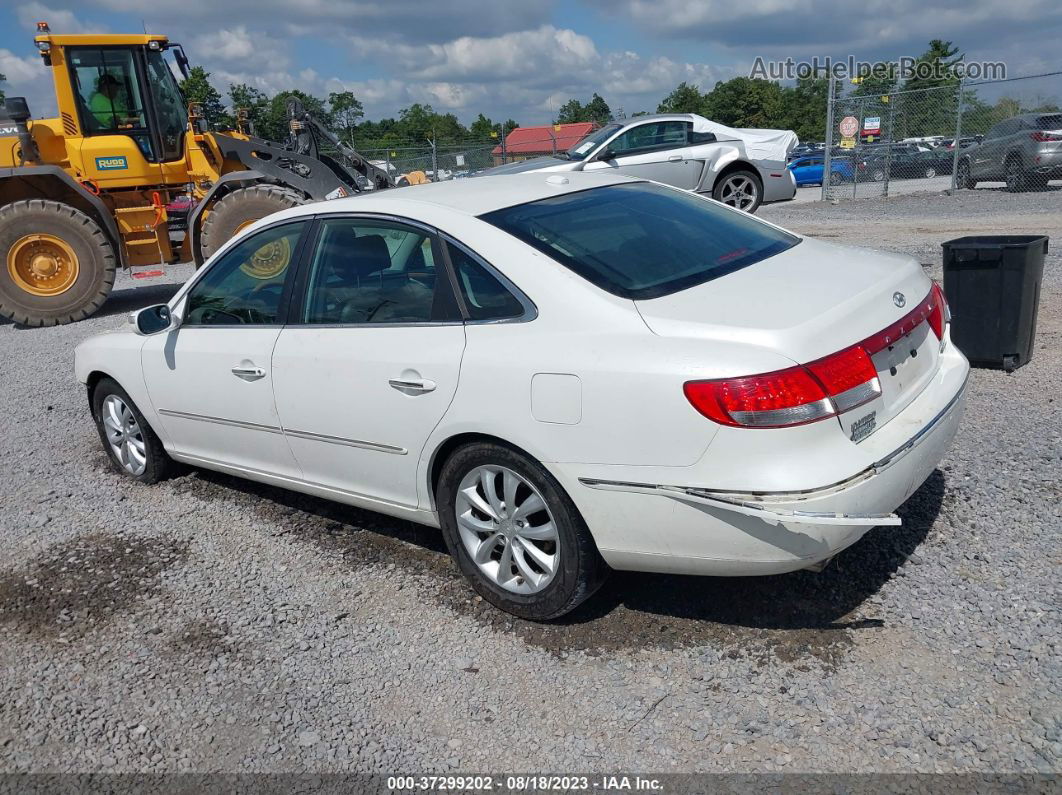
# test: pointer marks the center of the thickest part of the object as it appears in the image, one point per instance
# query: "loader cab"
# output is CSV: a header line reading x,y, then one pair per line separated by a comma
x,y
121,94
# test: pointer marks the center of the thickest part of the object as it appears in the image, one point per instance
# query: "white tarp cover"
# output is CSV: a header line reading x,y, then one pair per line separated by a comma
x,y
759,144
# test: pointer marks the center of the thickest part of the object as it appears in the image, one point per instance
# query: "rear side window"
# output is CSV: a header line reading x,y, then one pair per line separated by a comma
x,y
1052,122
485,297
640,240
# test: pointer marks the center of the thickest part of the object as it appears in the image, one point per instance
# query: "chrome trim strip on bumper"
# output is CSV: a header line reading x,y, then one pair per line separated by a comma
x,y
314,437
250,426
770,515
746,502
379,447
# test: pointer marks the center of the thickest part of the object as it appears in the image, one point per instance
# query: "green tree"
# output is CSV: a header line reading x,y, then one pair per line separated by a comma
x,y
597,110
573,111
932,112
347,111
419,123
197,88
804,108
570,112
685,98
275,115
251,100
483,127
745,102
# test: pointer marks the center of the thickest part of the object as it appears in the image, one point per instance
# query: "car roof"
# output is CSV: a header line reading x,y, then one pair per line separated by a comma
x,y
471,196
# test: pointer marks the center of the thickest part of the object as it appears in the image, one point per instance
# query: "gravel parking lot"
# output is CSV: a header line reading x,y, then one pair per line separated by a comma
x,y
215,625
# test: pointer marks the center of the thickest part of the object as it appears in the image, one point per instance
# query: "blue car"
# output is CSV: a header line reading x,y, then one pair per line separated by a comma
x,y
809,170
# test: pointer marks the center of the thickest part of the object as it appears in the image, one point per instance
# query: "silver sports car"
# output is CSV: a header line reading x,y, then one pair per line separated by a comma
x,y
739,167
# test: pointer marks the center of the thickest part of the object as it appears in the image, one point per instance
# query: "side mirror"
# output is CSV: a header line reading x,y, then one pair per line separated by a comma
x,y
153,319
606,154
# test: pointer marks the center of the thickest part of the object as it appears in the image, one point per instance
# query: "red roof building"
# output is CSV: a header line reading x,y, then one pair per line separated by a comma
x,y
527,142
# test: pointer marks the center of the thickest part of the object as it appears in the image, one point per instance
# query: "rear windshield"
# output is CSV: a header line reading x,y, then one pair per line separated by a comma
x,y
640,240
1053,122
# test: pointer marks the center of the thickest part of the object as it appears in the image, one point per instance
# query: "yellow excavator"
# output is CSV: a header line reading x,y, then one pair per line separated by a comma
x,y
129,176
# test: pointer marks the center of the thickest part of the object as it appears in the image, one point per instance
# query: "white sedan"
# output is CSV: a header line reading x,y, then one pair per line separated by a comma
x,y
565,373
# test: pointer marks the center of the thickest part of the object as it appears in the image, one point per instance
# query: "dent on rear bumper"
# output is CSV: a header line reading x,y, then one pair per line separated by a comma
x,y
698,530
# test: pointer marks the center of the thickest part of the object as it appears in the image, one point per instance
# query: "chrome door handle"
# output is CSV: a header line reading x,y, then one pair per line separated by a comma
x,y
248,373
418,386
674,158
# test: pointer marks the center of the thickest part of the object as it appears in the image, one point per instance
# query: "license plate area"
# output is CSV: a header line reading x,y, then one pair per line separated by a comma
x,y
904,369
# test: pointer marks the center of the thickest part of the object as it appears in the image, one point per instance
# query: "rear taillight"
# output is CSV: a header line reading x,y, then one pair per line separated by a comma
x,y
938,311
770,400
849,377
823,388
1044,137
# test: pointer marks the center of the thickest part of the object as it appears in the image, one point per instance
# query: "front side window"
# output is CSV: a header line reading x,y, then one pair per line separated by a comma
x,y
107,89
642,240
592,141
655,135
246,285
367,271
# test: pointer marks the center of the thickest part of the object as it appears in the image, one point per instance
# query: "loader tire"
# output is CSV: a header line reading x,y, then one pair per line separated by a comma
x,y
56,264
241,208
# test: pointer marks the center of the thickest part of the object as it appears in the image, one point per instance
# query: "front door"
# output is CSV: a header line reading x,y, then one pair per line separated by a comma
x,y
210,379
656,150
371,363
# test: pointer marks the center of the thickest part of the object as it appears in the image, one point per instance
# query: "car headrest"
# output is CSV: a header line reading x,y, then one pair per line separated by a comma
x,y
352,257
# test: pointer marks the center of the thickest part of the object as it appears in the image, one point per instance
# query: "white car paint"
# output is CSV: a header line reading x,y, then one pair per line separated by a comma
x,y
588,383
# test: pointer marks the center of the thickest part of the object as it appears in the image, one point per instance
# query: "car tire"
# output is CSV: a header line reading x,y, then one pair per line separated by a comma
x,y
146,461
963,180
1015,177
492,537
740,189
930,172
836,178
878,175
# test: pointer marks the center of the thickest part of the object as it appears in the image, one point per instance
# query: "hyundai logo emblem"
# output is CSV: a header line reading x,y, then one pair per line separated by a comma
x,y
899,299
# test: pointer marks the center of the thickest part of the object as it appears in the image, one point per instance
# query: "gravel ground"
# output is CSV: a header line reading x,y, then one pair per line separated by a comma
x,y
214,625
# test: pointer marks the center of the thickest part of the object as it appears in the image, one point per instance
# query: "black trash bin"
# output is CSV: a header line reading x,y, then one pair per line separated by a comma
x,y
992,283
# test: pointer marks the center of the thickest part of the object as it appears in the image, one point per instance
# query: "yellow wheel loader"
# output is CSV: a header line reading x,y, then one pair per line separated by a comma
x,y
98,187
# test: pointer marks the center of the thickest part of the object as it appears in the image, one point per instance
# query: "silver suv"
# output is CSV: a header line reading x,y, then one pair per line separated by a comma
x,y
1025,152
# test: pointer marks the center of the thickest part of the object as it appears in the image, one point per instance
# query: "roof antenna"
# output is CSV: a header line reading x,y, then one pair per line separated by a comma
x,y
143,24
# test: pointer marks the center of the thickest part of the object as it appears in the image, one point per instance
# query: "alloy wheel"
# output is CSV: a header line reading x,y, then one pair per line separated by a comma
x,y
507,529
739,191
124,435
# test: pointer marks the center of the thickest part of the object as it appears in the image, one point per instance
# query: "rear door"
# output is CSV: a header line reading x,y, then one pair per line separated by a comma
x,y
658,151
986,158
370,359
210,379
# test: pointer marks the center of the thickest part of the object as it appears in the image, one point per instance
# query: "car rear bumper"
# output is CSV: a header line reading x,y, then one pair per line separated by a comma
x,y
779,185
651,526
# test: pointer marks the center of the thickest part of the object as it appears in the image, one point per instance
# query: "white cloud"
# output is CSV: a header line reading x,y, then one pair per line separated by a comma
x,y
27,77
60,20
874,28
248,48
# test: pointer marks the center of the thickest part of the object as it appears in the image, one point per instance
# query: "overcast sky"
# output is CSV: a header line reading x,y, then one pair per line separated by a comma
x,y
525,58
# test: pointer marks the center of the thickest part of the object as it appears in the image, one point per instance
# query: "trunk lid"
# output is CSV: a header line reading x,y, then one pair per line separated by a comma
x,y
812,300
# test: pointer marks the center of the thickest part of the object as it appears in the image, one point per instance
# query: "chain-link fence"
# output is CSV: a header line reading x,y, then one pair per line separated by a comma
x,y
443,160
1005,132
